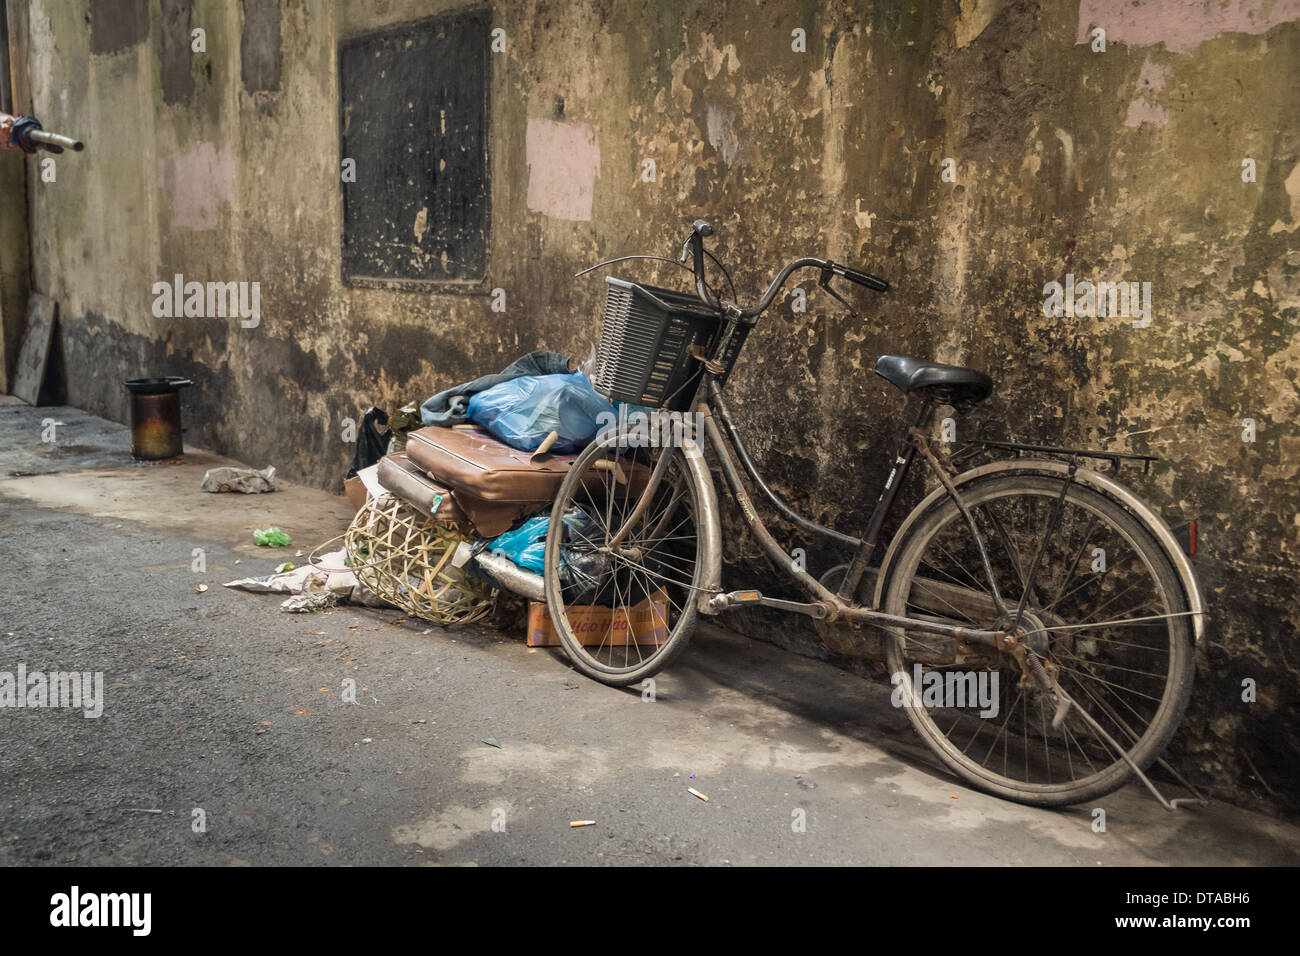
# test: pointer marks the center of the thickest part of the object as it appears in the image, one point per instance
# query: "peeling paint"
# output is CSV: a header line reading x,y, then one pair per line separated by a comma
x,y
720,124
1144,107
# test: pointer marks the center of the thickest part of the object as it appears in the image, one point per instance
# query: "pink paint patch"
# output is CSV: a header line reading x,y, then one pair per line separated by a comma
x,y
1181,25
196,181
1144,108
1142,111
563,162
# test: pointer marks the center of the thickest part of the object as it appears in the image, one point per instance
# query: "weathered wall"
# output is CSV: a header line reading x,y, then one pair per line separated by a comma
x,y
1116,165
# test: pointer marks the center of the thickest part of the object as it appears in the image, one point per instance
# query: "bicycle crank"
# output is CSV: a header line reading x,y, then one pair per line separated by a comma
x,y
733,599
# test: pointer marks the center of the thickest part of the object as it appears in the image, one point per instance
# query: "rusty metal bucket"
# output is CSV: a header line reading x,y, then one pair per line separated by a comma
x,y
156,417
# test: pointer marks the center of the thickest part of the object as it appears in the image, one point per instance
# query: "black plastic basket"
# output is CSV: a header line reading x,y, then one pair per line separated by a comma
x,y
646,338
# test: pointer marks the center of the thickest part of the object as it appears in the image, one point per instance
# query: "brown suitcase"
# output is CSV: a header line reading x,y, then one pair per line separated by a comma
x,y
475,463
480,469
408,481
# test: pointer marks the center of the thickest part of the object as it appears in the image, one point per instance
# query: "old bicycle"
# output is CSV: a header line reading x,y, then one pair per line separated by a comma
x,y
995,574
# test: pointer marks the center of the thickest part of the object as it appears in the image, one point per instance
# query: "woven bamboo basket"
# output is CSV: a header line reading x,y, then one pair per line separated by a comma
x,y
406,558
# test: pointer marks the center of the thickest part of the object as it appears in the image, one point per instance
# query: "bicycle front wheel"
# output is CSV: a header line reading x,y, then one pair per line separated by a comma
x,y
1096,598
624,560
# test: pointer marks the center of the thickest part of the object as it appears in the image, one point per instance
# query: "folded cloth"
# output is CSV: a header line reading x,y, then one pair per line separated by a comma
x,y
448,408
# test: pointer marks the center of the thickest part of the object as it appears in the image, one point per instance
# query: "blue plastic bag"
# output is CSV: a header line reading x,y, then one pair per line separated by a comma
x,y
524,410
526,545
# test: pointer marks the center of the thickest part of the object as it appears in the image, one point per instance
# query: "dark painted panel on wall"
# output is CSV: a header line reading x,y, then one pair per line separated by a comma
x,y
118,24
6,104
177,80
414,120
260,54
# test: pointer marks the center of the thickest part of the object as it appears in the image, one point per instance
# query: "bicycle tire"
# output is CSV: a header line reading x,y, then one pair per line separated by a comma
x,y
900,574
576,485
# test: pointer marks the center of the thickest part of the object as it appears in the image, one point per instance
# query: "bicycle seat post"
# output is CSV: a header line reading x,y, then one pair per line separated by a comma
x,y
885,502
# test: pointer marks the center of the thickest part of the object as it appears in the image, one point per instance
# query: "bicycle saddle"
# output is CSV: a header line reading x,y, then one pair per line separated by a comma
x,y
958,385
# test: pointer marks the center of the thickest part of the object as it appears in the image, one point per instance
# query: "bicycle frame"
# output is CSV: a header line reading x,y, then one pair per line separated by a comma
x,y
842,605
826,604
725,442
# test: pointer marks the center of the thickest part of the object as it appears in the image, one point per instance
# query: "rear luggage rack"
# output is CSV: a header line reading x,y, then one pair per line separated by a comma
x,y
1114,457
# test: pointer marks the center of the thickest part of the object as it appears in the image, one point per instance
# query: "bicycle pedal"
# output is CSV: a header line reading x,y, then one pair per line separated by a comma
x,y
722,602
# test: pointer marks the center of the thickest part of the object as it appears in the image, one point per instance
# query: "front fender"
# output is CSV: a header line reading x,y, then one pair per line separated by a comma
x,y
708,525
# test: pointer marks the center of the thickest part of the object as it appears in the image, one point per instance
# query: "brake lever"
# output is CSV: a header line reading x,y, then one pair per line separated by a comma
x,y
824,282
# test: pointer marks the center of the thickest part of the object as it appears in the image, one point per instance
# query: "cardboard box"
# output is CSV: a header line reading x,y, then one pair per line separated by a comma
x,y
595,625
363,486
355,490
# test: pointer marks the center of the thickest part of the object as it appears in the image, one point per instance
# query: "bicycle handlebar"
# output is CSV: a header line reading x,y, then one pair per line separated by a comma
x,y
791,266
694,247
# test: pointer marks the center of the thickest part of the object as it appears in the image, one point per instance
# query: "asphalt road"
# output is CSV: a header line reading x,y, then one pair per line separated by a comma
x,y
221,703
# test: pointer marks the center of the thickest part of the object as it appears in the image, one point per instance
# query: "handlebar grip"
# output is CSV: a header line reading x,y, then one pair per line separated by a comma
x,y
861,278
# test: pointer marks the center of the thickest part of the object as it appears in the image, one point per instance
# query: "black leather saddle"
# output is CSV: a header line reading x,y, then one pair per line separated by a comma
x,y
953,384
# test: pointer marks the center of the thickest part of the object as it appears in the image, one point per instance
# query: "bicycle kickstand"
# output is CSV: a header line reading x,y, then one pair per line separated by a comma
x,y
1064,703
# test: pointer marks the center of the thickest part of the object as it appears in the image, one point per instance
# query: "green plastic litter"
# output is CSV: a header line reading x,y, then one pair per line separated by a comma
x,y
271,538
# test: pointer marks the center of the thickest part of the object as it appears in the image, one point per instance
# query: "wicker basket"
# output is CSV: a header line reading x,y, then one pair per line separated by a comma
x,y
646,337
406,558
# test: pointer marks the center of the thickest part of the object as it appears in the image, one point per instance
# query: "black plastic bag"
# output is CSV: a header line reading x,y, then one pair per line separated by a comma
x,y
372,441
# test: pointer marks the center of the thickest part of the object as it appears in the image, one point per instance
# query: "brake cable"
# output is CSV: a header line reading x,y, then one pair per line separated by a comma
x,y
825,283
609,262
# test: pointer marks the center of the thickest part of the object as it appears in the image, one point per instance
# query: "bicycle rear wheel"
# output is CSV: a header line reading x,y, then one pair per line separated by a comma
x,y
1098,601
623,567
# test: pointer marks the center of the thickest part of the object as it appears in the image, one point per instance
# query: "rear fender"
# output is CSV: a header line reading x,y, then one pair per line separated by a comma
x,y
1091,479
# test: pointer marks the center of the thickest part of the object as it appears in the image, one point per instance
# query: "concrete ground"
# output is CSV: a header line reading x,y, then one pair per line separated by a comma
x,y
220,702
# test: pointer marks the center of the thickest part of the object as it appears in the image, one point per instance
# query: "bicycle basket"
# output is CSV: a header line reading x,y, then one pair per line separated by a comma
x,y
646,338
